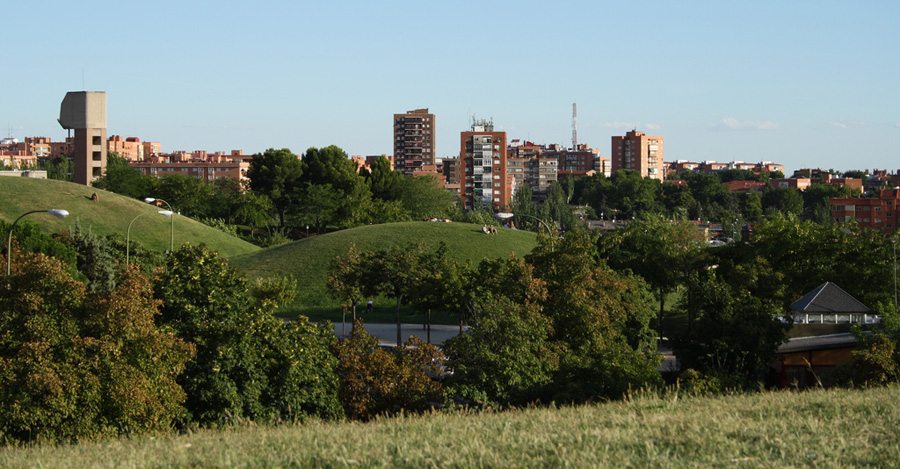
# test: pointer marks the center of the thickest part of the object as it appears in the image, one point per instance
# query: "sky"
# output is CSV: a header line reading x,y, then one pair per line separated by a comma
x,y
805,83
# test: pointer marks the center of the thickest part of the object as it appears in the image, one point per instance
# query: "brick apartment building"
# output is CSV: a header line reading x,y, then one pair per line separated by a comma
x,y
482,161
414,140
199,164
880,213
132,148
639,152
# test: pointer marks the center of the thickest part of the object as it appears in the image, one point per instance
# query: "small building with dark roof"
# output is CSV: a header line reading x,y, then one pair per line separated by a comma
x,y
830,304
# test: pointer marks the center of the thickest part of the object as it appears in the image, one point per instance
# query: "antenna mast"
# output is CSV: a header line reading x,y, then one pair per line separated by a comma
x,y
574,127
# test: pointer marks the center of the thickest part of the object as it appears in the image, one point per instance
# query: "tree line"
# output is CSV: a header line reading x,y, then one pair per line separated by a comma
x,y
291,195
93,347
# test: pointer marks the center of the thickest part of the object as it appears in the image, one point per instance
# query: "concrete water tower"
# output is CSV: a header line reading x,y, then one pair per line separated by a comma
x,y
85,112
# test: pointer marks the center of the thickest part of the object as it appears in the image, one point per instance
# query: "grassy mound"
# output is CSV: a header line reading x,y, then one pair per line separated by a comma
x,y
111,214
836,428
308,259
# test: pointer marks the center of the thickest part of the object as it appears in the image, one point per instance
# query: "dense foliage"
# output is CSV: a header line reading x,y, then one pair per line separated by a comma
x,y
76,363
248,363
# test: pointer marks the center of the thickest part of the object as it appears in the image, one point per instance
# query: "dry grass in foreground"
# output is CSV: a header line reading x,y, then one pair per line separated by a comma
x,y
818,428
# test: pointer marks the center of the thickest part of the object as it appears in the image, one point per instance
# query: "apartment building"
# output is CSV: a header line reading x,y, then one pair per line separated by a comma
x,y
482,160
414,140
639,152
199,164
880,213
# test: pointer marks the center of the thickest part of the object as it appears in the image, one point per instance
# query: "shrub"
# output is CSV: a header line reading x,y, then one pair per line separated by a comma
x,y
75,364
248,363
377,382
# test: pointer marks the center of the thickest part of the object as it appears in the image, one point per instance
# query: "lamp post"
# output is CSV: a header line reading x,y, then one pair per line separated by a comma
x,y
166,213
506,216
894,265
58,213
151,200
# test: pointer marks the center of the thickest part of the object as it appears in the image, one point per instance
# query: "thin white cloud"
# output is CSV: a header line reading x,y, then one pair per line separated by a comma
x,y
629,125
730,123
843,124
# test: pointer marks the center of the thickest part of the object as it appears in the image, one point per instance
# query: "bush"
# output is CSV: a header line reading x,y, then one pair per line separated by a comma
x,y
377,382
75,364
248,363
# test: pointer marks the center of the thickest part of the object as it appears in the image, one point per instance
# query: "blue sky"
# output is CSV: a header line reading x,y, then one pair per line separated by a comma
x,y
805,83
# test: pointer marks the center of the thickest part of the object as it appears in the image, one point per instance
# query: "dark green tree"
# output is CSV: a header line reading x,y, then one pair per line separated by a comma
x,y
660,251
423,197
277,175
248,364
783,200
121,178
732,335
384,182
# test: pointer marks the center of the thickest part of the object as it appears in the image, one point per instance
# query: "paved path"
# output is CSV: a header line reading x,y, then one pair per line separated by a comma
x,y
387,333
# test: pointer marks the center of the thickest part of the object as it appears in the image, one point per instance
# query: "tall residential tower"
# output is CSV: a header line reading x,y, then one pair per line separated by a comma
x,y
482,164
413,140
639,152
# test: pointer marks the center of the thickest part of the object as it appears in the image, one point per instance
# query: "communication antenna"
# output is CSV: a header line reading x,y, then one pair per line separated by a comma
x,y
574,127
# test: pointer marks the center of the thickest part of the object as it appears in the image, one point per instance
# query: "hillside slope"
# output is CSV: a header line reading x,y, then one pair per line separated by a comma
x,y
835,428
110,214
308,259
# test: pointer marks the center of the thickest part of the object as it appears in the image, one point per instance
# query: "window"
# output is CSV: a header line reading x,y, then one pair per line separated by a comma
x,y
96,140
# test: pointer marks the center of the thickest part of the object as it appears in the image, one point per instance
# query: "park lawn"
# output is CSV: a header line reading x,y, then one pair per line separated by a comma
x,y
110,215
829,428
308,261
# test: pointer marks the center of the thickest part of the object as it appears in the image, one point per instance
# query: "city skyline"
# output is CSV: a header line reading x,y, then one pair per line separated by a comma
x,y
805,84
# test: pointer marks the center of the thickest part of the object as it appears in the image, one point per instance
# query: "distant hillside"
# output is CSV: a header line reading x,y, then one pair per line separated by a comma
x,y
308,259
110,214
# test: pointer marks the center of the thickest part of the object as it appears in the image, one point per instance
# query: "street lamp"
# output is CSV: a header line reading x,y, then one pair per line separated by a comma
x,y
58,213
166,213
151,200
506,216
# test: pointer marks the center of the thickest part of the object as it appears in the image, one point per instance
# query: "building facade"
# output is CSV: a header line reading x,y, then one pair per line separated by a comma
x,y
880,213
639,152
414,140
85,112
482,161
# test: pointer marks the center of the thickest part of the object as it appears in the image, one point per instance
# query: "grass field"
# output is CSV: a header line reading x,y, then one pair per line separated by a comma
x,y
308,259
836,428
110,215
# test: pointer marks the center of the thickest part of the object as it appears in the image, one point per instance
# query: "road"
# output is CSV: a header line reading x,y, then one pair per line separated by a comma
x,y
387,333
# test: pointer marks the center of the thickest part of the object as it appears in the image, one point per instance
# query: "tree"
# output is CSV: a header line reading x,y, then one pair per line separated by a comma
x,y
378,382
855,173
60,168
785,200
248,364
600,321
423,197
394,272
660,251
277,175
345,279
505,357
75,364
190,196
121,178
384,182
319,205
731,334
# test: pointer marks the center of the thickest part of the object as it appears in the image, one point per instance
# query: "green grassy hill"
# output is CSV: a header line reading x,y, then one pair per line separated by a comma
x,y
110,214
308,259
836,428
